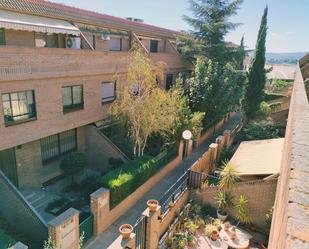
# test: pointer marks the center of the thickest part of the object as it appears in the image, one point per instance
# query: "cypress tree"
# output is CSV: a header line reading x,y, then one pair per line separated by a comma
x,y
257,74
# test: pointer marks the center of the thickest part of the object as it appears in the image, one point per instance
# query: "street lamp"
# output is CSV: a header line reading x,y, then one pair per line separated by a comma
x,y
186,135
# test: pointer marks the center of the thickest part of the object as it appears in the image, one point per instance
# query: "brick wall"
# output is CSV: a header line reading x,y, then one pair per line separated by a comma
x,y
260,195
30,170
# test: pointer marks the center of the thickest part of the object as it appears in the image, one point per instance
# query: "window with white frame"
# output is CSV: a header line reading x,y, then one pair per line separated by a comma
x,y
108,91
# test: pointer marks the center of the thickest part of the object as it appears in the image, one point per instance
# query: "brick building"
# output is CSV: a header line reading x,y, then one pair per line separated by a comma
x,y
57,77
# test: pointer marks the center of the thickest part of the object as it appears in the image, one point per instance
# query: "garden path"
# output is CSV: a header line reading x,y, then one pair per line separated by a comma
x,y
110,238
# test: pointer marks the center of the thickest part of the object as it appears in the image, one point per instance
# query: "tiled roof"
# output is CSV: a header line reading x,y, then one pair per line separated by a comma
x,y
73,14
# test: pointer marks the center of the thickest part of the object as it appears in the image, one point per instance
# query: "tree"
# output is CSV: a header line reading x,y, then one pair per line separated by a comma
x,y
229,176
73,163
257,74
214,89
241,211
210,25
147,108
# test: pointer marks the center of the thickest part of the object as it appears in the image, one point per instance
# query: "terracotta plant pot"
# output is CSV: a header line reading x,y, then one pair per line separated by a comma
x,y
125,230
152,204
264,245
226,226
214,235
233,234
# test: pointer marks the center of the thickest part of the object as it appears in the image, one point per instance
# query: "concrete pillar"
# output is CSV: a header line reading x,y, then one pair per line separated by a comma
x,y
153,228
100,208
64,230
213,155
227,137
19,245
129,243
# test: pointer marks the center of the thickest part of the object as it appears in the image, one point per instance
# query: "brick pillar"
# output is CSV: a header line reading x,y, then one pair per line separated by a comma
x,y
19,245
220,142
100,208
213,155
190,147
153,228
180,149
64,230
227,137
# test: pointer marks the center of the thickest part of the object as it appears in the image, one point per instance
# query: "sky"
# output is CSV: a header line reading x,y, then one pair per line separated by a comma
x,y
288,19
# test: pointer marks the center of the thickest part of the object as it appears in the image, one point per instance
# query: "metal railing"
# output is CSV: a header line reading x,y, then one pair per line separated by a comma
x,y
174,193
140,230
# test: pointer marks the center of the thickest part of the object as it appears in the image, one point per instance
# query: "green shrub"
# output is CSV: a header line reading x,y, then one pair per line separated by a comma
x,y
280,84
272,96
258,131
264,110
128,177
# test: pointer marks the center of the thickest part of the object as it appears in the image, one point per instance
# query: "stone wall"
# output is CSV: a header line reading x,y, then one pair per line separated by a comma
x,y
290,224
260,195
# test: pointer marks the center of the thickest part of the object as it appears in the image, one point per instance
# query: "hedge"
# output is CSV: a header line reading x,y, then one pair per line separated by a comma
x,y
272,96
128,177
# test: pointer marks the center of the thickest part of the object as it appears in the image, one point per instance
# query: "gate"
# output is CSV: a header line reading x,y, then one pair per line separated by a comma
x,y
86,228
140,229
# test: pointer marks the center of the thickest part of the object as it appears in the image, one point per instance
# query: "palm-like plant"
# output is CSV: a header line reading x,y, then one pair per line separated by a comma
x,y
241,210
224,201
228,176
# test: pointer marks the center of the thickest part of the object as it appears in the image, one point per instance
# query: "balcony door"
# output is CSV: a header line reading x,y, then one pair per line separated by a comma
x,y
8,165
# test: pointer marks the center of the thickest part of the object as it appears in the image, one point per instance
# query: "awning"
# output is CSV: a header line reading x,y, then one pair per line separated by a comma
x,y
17,21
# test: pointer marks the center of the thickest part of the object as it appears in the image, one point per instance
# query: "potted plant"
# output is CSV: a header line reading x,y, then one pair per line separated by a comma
x,y
152,205
125,231
226,225
211,231
233,233
228,178
190,239
241,211
224,201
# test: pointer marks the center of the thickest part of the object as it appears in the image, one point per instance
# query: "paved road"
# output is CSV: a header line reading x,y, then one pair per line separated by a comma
x,y
110,238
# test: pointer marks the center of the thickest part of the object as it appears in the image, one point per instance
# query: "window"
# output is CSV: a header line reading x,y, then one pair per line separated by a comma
x,y
54,146
46,40
108,91
18,107
72,98
169,81
2,37
115,44
154,46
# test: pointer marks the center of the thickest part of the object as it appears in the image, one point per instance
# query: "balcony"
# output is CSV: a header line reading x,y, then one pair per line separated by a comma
x,y
21,63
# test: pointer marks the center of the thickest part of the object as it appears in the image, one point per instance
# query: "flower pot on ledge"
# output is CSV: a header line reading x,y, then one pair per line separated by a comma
x,y
233,233
152,205
125,230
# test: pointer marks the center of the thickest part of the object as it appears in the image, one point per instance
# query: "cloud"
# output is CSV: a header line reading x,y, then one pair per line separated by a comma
x,y
273,34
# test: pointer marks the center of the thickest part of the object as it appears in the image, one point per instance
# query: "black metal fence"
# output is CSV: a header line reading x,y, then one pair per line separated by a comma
x,y
140,230
174,193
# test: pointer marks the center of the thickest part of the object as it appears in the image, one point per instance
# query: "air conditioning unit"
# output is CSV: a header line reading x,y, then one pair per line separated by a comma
x,y
105,37
72,42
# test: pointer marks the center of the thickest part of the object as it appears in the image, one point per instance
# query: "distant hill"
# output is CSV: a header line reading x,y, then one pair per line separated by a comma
x,y
284,58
